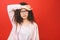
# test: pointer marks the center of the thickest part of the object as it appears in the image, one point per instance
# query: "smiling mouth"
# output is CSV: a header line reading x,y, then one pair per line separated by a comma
x,y
24,16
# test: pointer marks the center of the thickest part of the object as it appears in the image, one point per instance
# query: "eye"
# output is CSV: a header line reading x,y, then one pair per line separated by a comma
x,y
23,11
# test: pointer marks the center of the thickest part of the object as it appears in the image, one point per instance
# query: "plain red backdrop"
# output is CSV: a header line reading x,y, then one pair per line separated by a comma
x,y
46,13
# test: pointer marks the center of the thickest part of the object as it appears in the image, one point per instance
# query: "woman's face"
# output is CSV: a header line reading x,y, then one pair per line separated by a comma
x,y
24,13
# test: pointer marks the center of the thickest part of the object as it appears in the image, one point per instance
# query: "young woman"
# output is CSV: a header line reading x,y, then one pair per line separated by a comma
x,y
23,24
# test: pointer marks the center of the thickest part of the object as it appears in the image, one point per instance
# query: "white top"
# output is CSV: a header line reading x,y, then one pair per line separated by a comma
x,y
22,32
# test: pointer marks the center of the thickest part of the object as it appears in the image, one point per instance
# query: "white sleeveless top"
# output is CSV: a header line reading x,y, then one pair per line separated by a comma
x,y
21,32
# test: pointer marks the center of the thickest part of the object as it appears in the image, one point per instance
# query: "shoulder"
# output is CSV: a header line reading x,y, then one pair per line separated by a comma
x,y
35,24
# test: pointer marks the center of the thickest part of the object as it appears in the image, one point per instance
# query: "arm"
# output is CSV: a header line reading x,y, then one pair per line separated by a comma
x,y
10,9
35,33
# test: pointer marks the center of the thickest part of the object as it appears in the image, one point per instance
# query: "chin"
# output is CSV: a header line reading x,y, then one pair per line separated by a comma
x,y
24,18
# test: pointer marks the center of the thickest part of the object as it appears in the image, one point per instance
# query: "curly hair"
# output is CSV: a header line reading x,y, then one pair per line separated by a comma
x,y
19,19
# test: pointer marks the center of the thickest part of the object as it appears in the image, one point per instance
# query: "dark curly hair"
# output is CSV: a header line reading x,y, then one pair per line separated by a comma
x,y
17,17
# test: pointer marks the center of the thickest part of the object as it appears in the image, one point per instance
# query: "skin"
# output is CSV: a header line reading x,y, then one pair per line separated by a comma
x,y
24,15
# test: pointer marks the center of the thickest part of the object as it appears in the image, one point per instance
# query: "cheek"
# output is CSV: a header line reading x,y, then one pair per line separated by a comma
x,y
21,14
26,14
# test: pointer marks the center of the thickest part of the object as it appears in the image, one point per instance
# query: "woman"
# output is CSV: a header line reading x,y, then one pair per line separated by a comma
x,y
23,24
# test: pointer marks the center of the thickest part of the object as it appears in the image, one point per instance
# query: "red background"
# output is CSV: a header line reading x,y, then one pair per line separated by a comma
x,y
46,13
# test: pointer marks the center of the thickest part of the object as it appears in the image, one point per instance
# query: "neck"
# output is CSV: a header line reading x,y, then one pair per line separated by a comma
x,y
25,21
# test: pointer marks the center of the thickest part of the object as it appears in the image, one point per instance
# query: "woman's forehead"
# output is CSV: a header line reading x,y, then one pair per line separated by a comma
x,y
23,9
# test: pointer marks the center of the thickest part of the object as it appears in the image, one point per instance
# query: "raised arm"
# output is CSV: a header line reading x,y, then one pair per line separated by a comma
x,y
10,9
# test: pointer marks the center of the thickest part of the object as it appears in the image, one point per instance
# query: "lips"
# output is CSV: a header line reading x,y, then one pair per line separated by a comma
x,y
24,16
